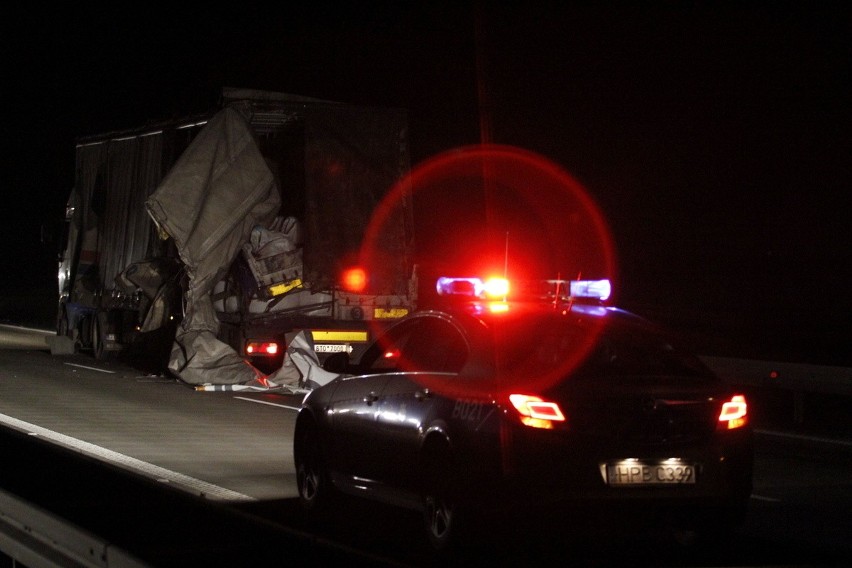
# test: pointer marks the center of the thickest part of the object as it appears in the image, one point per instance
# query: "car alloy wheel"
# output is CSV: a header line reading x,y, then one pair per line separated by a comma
x,y
439,516
440,503
311,480
308,480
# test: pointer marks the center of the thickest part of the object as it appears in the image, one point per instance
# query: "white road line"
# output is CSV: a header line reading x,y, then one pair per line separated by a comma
x,y
33,329
163,475
833,441
90,368
288,407
762,498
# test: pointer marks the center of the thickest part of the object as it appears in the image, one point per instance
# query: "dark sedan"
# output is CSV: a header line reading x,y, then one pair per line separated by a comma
x,y
494,407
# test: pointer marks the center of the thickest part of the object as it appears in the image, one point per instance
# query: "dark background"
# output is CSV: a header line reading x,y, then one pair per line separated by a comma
x,y
714,136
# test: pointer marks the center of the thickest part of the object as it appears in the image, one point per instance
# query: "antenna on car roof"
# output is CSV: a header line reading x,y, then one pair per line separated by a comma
x,y
506,261
506,258
558,284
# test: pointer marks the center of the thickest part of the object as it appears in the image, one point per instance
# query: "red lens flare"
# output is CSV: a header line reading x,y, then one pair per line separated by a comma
x,y
495,209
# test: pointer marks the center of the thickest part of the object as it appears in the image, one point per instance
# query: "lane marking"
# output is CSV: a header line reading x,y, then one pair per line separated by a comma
x,y
833,441
763,498
296,408
155,472
24,328
90,368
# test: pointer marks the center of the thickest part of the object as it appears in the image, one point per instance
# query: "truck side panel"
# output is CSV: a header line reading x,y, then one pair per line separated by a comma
x,y
353,157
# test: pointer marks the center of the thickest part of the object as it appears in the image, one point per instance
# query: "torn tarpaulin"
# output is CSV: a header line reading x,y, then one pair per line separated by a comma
x,y
218,190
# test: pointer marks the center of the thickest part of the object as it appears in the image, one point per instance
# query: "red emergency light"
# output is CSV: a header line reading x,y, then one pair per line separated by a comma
x,y
354,279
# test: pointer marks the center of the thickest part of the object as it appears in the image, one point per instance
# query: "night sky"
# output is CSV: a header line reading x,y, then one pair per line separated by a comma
x,y
714,137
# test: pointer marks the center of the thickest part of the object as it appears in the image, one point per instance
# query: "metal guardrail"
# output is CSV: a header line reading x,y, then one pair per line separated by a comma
x,y
37,539
800,383
802,377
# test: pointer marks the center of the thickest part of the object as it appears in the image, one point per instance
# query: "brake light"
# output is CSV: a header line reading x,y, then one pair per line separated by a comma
x,y
536,412
734,413
268,348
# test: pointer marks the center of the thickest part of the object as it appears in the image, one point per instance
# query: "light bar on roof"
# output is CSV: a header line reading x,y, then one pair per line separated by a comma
x,y
477,288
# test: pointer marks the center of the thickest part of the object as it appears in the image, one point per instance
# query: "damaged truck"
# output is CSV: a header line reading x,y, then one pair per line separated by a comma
x,y
209,241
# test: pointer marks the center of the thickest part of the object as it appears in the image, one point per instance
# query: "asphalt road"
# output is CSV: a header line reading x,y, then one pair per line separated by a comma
x,y
185,478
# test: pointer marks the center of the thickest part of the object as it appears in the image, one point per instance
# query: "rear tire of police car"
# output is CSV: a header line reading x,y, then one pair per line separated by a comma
x,y
316,493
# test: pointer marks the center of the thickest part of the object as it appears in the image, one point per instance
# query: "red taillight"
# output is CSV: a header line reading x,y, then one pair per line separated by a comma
x,y
734,413
269,348
354,279
536,412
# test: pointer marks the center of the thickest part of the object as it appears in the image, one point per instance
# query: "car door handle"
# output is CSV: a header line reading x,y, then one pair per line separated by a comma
x,y
371,398
423,394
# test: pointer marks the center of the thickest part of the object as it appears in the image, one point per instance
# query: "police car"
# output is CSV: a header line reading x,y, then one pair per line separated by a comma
x,y
534,395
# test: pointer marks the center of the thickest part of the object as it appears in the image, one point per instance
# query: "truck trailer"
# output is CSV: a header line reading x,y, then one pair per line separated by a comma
x,y
211,239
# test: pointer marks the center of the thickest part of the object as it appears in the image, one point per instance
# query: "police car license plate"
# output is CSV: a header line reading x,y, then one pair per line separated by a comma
x,y
632,472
